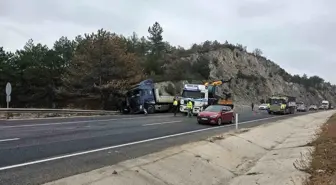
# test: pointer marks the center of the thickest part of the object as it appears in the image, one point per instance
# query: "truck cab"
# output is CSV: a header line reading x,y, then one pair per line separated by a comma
x,y
282,104
325,104
198,94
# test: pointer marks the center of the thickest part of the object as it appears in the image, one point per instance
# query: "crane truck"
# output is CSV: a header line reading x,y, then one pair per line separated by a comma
x,y
203,96
282,104
214,98
150,92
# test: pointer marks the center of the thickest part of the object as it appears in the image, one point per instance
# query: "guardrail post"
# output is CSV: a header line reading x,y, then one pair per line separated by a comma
x,y
7,115
236,121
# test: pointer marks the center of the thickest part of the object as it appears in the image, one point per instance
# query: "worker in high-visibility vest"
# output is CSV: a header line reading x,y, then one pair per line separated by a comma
x,y
175,106
189,107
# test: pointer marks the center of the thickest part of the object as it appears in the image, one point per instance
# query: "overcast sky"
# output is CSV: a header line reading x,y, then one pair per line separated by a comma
x,y
299,35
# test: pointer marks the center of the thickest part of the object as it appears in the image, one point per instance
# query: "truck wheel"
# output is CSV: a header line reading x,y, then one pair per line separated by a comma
x,y
151,109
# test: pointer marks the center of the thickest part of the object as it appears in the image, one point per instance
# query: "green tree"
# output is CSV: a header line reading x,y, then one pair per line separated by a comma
x,y
156,39
39,70
257,52
156,51
102,65
7,72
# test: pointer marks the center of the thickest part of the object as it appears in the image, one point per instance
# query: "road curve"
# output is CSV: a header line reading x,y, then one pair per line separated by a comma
x,y
39,151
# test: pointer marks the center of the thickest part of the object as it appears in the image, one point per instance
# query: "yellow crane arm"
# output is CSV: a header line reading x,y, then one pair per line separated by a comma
x,y
216,83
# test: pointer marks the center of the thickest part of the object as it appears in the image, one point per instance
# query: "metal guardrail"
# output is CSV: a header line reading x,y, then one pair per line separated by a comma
x,y
60,111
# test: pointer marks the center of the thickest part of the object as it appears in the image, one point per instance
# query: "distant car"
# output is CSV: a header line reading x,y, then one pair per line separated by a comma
x,y
263,107
312,107
301,108
216,114
321,107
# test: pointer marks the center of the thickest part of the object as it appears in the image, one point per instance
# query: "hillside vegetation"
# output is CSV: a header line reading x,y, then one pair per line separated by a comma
x,y
93,70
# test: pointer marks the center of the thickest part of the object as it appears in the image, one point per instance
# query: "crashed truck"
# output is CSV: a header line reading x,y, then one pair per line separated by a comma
x,y
152,93
203,95
281,104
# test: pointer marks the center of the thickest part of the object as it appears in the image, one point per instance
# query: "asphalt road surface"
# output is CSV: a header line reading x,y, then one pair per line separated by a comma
x,y
39,151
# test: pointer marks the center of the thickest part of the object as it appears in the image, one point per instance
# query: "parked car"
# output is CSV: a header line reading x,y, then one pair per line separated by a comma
x,y
216,114
263,107
312,107
321,107
301,107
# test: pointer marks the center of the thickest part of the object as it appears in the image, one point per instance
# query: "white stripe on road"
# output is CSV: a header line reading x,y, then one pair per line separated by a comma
x,y
150,124
12,139
85,121
126,144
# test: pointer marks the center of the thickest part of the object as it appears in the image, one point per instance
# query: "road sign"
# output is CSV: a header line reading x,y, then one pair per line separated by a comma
x,y
8,89
8,98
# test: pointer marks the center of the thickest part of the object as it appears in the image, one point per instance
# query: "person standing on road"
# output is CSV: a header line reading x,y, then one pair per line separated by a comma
x,y
175,106
190,107
252,105
146,107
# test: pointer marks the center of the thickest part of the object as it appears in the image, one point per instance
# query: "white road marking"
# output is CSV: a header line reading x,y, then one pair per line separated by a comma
x,y
49,118
12,139
150,124
73,122
126,144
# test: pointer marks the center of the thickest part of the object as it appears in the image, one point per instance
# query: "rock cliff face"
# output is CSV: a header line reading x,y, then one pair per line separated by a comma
x,y
256,78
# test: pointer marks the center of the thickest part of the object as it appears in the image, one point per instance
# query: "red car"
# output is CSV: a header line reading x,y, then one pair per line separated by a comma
x,y
216,114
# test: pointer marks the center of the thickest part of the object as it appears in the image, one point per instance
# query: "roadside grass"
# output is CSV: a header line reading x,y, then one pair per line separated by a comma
x,y
323,162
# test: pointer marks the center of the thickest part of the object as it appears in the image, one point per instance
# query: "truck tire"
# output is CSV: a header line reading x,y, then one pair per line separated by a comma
x,y
151,109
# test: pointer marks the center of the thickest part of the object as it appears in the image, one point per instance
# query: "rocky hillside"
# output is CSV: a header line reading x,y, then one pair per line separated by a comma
x,y
93,71
255,78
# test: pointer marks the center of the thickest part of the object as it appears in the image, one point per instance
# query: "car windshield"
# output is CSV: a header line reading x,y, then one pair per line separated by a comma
x,y
193,94
263,105
214,108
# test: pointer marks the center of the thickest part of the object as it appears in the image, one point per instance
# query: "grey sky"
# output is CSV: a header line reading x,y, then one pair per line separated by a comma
x,y
299,35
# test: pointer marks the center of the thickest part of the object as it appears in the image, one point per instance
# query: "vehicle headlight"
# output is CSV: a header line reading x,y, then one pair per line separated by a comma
x,y
213,116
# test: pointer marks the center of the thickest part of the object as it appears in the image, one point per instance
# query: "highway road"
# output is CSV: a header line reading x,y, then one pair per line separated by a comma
x,y
39,151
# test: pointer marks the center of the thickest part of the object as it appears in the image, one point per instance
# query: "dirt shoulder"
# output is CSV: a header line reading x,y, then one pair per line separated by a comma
x,y
323,164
